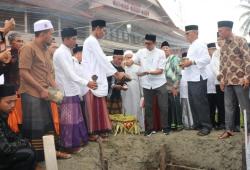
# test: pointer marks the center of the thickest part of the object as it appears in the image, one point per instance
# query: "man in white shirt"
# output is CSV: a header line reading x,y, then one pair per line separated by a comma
x,y
73,131
152,61
77,65
187,118
215,67
211,90
98,68
77,60
195,72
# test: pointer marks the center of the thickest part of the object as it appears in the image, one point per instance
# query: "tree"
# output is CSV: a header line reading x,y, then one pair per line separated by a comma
x,y
245,17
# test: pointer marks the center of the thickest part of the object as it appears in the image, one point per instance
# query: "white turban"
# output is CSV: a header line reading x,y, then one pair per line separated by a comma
x,y
128,52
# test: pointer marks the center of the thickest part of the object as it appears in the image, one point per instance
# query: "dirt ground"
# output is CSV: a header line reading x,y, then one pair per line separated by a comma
x,y
136,152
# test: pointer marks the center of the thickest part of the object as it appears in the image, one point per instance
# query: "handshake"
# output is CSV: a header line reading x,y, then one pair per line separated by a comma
x,y
118,75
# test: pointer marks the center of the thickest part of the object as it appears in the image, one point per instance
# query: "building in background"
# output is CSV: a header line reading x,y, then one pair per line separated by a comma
x,y
127,20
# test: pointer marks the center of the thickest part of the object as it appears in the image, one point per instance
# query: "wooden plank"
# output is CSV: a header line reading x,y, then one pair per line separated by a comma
x,y
50,152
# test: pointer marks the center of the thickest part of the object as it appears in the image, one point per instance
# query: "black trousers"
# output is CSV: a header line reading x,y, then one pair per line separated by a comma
x,y
216,101
212,107
23,159
220,106
174,110
162,97
197,94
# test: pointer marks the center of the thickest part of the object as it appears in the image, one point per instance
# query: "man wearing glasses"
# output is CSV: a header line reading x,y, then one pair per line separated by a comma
x,y
152,63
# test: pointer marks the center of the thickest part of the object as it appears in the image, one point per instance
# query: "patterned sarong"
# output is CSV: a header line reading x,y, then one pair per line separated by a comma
x,y
73,130
97,114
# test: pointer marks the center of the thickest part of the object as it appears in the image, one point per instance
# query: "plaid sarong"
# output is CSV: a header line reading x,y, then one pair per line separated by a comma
x,y
37,122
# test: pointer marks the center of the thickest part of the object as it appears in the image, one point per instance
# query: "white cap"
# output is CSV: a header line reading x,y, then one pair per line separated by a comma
x,y
42,25
128,52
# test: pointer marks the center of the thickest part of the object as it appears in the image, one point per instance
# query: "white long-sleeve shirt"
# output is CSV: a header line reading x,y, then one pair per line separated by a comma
x,y
150,61
215,64
183,86
66,78
210,79
197,52
95,63
78,68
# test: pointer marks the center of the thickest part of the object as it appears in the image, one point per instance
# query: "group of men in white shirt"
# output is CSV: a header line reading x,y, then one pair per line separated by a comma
x,y
219,81
87,79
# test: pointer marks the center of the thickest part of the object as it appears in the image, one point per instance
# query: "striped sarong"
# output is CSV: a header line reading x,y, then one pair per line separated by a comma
x,y
96,114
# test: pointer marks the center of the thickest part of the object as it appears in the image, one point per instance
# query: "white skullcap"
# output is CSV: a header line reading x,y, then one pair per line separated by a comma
x,y
128,52
42,25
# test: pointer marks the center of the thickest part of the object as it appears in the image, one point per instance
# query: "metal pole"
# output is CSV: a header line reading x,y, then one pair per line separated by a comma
x,y
59,27
25,22
246,140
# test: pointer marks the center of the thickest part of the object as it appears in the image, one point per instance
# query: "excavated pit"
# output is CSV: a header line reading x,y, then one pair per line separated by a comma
x,y
178,151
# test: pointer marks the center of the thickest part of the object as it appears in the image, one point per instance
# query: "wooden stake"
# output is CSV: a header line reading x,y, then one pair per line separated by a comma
x,y
104,162
50,152
246,140
163,164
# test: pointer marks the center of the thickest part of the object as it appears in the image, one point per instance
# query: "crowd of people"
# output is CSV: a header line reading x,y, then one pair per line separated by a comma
x,y
201,90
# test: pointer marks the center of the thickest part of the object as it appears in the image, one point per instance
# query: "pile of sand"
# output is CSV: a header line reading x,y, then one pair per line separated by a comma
x,y
136,152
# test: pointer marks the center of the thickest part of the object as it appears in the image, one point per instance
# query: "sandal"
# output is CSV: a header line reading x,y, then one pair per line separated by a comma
x,y
105,138
226,134
93,138
75,150
104,135
63,155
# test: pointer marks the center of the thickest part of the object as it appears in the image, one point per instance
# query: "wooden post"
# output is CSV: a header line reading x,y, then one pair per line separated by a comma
x,y
163,163
104,162
247,157
25,22
50,152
